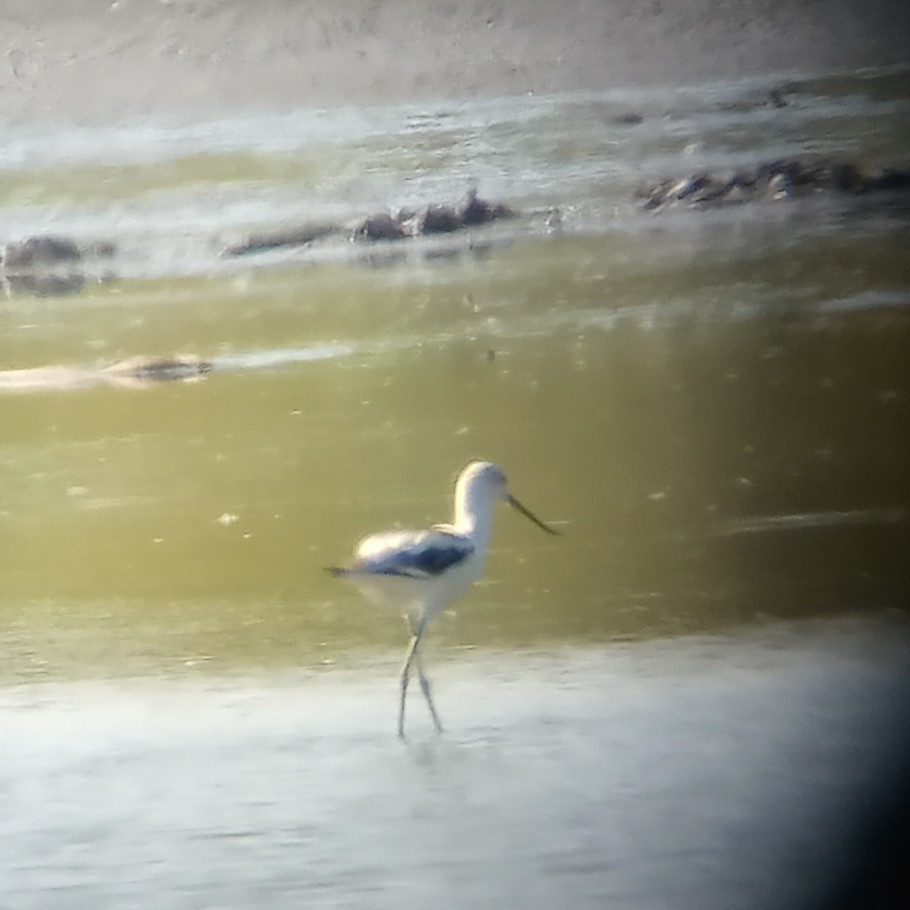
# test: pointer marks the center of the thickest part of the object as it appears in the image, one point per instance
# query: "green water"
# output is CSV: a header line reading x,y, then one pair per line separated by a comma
x,y
717,450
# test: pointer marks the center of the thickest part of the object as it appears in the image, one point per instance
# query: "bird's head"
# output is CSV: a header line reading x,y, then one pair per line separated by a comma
x,y
488,480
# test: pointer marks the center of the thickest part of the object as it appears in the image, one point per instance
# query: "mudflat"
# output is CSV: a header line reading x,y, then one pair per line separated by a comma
x,y
99,62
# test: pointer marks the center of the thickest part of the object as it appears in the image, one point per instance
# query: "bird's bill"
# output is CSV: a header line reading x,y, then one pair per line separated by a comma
x,y
530,516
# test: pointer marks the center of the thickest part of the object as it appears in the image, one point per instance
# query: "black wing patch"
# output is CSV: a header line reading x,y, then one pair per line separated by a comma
x,y
425,559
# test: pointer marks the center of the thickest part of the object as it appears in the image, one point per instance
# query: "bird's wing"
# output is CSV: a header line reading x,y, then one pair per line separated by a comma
x,y
412,554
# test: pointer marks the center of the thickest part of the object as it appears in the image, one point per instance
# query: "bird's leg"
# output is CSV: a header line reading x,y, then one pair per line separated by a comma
x,y
424,679
413,656
425,688
406,671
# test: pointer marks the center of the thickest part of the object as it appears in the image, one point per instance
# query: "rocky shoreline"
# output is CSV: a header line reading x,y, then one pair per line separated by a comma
x,y
772,181
50,265
435,218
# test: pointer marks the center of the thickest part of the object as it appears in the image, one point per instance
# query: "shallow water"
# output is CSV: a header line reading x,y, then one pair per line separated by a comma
x,y
712,406
702,772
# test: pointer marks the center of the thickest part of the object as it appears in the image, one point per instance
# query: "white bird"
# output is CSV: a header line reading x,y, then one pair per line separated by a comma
x,y
422,572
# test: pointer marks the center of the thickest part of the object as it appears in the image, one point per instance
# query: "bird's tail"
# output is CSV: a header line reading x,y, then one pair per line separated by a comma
x,y
335,571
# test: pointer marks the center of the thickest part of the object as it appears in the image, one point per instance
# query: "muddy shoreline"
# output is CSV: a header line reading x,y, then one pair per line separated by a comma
x,y
57,265
96,63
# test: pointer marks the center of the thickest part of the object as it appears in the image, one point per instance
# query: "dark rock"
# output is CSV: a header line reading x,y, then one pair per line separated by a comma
x,y
380,227
776,97
743,179
45,266
711,189
40,252
841,176
438,219
473,211
628,118
888,180
783,178
161,369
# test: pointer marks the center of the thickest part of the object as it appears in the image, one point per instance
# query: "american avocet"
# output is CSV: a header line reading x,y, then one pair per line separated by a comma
x,y
422,572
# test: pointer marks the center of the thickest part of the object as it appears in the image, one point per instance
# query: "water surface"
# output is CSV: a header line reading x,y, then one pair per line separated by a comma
x,y
660,709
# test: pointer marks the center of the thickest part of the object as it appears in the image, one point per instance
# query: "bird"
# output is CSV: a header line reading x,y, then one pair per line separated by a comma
x,y
423,571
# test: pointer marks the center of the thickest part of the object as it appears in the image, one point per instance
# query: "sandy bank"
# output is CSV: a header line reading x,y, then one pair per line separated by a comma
x,y
101,61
